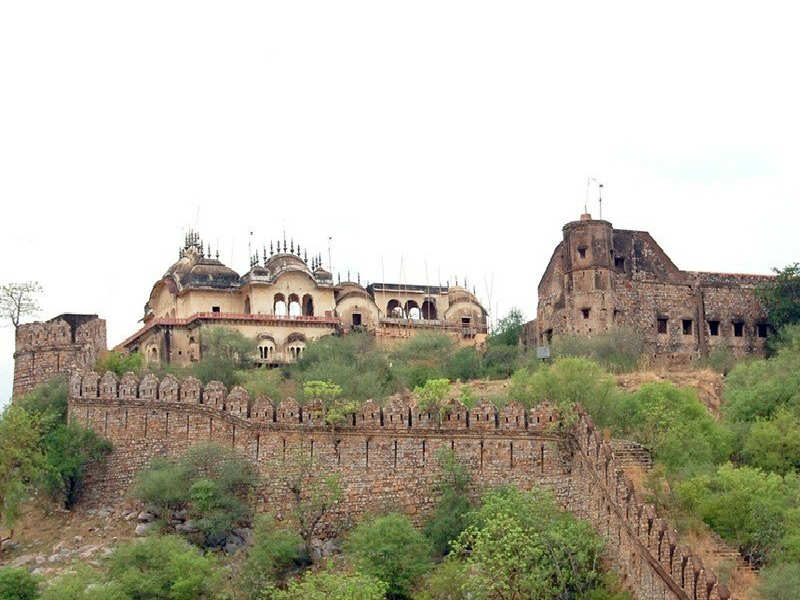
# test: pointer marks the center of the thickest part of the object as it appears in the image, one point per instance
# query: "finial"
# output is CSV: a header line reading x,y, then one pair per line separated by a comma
x,y
217,252
264,254
291,248
298,248
305,256
358,278
338,277
270,247
348,274
284,245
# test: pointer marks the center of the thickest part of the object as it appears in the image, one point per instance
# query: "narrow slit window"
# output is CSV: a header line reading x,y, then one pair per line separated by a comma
x,y
585,312
582,251
761,330
687,327
215,309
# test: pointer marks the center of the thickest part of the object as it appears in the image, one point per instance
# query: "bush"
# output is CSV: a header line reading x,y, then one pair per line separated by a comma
x,y
509,329
119,362
500,360
422,357
449,518
47,403
444,582
18,584
332,586
464,364
754,510
781,582
391,550
774,445
163,568
674,425
272,555
519,545
211,481
68,451
620,350
720,360
82,583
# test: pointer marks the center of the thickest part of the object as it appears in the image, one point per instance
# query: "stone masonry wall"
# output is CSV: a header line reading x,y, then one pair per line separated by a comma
x,y
58,346
386,457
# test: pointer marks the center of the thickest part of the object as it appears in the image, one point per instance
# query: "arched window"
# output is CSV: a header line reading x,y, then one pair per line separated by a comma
x,y
294,306
412,310
153,354
429,309
247,305
308,306
394,309
279,306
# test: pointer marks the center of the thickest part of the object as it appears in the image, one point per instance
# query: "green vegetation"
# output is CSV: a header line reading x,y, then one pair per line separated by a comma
x,y
119,363
213,483
781,297
432,396
449,518
18,584
326,585
274,553
391,550
620,350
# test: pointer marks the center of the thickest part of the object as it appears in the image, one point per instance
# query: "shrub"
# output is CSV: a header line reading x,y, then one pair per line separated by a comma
x,y
618,350
720,360
449,518
20,461
18,584
211,481
47,403
81,583
774,445
262,383
333,586
119,362
781,582
519,545
68,451
464,364
163,568
781,296
391,550
500,360
422,357
432,397
273,553
508,330
224,352
444,582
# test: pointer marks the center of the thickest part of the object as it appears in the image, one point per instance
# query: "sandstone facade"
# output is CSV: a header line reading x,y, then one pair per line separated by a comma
x,y
386,458
600,277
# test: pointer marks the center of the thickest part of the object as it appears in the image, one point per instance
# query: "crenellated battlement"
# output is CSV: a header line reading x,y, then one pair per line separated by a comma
x,y
386,454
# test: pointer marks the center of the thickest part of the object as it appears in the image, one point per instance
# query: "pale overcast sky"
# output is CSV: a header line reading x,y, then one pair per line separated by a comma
x,y
457,135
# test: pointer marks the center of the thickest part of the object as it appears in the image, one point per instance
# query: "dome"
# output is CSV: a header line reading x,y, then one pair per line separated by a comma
x,y
209,272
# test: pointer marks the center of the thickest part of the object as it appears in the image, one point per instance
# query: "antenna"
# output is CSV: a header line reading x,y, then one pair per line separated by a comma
x,y
330,263
599,196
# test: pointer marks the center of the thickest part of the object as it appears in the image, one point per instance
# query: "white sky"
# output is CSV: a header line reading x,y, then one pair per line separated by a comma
x,y
457,134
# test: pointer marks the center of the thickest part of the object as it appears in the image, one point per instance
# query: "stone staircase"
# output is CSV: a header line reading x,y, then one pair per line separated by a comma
x,y
631,454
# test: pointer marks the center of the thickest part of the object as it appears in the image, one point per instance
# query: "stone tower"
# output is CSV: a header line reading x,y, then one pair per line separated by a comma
x,y
588,268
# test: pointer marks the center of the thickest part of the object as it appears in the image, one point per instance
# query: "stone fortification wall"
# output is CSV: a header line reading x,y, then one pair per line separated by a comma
x,y
58,346
386,457
642,545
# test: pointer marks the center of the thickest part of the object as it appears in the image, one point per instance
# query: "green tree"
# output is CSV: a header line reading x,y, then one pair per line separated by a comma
x,y
68,450
774,444
336,409
314,494
20,462
449,517
212,482
391,550
164,568
47,403
509,329
444,582
781,582
273,553
781,296
224,351
519,545
18,584
432,397
326,585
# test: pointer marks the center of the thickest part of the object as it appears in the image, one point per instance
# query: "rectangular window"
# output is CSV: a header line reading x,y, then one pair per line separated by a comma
x,y
761,330
713,327
585,313
356,319
465,320
738,329
215,309
582,251
687,327
619,263
662,325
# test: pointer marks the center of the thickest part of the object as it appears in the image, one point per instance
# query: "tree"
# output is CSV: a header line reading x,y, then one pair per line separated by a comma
x,y
391,550
313,494
19,300
509,329
326,585
432,397
119,362
68,450
336,410
20,462
781,296
273,553
774,445
450,515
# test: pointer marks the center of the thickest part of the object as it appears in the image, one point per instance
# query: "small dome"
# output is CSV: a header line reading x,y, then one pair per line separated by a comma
x,y
209,272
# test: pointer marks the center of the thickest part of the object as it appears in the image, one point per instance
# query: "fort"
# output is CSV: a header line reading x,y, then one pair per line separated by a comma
x,y
385,456
599,278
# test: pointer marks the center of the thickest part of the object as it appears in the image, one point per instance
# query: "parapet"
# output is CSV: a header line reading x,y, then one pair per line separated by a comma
x,y
399,413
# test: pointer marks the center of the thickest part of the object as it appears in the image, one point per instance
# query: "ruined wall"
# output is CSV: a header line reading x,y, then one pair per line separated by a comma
x,y
57,346
386,457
